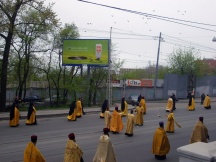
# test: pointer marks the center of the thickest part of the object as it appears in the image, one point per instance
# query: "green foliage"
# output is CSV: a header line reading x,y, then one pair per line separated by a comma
x,y
134,74
184,61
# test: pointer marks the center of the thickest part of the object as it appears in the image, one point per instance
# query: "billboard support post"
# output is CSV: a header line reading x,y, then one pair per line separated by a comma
x,y
88,88
109,91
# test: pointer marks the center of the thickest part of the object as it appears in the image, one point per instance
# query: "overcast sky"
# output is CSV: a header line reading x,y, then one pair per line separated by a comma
x,y
135,36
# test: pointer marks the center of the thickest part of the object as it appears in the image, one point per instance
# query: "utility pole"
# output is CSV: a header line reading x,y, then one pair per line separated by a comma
x,y
109,90
156,71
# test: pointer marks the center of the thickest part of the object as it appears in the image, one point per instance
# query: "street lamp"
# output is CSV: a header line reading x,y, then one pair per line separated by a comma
x,y
214,39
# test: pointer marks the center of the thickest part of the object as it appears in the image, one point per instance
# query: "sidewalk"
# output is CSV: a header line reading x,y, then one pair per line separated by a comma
x,y
87,110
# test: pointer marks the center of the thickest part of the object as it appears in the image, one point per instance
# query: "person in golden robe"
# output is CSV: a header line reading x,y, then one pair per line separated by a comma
x,y
200,132
107,118
116,124
139,119
79,112
14,116
170,122
124,107
72,151
72,112
103,108
191,104
105,151
207,102
143,104
160,144
130,124
31,153
169,105
31,116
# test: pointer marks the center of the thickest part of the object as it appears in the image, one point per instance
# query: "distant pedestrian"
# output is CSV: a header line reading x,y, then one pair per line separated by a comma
x,y
107,118
17,101
82,104
202,98
31,116
160,144
116,124
170,122
72,151
79,112
139,98
105,151
130,124
31,152
72,112
14,115
174,101
124,107
191,104
169,105
143,104
139,119
103,108
200,132
207,102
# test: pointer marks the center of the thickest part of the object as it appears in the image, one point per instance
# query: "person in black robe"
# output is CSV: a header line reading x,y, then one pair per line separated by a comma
x,y
81,99
190,100
139,98
103,108
123,104
72,107
30,110
12,110
174,101
202,98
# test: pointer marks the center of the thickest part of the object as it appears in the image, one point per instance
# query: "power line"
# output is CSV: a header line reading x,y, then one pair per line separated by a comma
x,y
189,42
169,19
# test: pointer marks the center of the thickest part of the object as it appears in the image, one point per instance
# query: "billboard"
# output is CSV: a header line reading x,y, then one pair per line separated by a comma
x,y
91,52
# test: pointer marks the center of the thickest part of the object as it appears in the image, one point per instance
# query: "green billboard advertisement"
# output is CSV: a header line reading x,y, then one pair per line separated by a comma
x,y
91,52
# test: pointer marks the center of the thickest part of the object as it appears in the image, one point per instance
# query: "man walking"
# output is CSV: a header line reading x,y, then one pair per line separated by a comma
x,y
31,153
200,132
105,151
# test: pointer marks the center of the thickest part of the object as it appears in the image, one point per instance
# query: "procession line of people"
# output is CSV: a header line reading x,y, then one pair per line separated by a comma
x,y
205,101
113,123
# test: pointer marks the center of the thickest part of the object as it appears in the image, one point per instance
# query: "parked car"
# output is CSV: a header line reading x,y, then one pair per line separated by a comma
x,y
133,100
54,99
34,98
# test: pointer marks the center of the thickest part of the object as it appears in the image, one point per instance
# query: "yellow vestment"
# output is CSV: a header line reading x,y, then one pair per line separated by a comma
x,y
15,121
116,124
125,112
73,152
200,133
32,154
192,106
79,112
143,104
130,123
170,123
107,119
139,115
169,105
32,118
105,151
207,102
160,145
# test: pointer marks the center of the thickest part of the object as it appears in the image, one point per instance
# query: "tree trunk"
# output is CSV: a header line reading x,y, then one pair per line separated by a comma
x,y
4,71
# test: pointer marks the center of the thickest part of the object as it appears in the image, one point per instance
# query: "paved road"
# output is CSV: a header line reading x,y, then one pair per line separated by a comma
x,y
52,135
